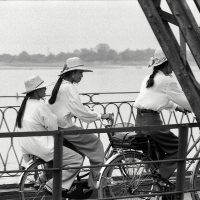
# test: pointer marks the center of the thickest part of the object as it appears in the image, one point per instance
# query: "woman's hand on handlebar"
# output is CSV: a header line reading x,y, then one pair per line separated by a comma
x,y
183,110
108,116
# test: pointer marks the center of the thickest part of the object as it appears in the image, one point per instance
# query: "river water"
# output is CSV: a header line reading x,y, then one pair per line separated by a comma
x,y
102,79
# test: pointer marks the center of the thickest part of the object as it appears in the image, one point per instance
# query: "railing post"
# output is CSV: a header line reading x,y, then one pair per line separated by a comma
x,y
182,153
57,163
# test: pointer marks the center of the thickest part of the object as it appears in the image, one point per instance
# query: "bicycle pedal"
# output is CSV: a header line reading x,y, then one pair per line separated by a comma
x,y
166,188
132,191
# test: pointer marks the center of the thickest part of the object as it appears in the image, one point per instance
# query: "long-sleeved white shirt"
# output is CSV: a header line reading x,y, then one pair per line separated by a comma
x,y
166,93
38,117
68,104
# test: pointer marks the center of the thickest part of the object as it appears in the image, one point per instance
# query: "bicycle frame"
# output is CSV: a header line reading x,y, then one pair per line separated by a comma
x,y
106,163
110,159
27,166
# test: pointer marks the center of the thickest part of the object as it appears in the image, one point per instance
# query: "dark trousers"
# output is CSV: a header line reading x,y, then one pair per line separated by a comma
x,y
165,140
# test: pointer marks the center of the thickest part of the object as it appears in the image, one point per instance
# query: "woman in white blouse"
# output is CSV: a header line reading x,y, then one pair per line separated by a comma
x,y
65,103
159,91
35,115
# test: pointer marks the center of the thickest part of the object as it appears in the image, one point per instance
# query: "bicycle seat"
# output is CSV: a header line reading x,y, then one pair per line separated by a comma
x,y
129,140
140,142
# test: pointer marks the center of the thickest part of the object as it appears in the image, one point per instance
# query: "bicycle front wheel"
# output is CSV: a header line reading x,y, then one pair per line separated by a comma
x,y
195,182
29,188
127,178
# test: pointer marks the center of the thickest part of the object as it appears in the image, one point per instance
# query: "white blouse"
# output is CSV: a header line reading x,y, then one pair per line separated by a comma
x,y
166,93
68,104
38,117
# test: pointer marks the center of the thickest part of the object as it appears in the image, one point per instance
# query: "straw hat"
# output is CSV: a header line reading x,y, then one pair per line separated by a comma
x,y
33,83
74,63
158,58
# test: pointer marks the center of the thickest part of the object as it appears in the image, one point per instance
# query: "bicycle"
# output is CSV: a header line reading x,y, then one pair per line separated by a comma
x,y
36,174
128,176
195,176
27,184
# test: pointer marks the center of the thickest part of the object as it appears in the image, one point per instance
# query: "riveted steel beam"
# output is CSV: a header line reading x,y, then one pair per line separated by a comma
x,y
187,25
197,3
168,17
171,48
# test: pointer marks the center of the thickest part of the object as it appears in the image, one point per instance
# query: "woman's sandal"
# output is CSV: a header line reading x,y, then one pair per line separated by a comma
x,y
81,190
78,192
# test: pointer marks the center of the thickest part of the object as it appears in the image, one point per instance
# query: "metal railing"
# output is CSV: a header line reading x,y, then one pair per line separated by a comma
x,y
57,168
124,113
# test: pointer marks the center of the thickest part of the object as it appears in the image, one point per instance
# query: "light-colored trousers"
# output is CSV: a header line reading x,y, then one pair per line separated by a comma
x,y
70,159
90,146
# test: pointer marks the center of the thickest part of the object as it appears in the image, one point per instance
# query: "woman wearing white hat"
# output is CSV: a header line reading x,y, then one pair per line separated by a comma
x,y
35,115
160,91
65,103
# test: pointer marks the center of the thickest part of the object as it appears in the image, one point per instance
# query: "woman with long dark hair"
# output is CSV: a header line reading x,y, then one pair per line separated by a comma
x,y
65,103
159,91
35,115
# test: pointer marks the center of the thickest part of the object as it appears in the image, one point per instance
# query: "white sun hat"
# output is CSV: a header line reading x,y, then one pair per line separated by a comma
x,y
74,63
158,58
33,83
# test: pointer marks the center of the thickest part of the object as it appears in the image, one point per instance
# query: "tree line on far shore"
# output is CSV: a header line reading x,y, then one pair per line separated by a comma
x,y
102,53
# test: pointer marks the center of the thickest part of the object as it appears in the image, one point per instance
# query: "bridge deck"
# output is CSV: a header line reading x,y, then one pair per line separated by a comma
x,y
12,194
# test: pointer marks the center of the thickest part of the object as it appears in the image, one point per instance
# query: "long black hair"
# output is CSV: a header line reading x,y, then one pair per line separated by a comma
x,y
55,90
22,109
57,86
150,81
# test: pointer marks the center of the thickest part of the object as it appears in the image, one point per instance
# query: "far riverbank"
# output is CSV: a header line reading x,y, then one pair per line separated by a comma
x,y
60,64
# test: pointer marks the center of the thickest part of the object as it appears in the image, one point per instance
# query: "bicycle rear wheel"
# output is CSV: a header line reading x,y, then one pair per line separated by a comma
x,y
28,190
127,180
195,182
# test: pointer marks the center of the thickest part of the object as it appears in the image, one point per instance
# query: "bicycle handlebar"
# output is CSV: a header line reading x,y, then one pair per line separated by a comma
x,y
183,110
110,120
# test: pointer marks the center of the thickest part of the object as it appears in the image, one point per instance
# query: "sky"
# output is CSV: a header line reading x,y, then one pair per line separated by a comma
x,y
63,26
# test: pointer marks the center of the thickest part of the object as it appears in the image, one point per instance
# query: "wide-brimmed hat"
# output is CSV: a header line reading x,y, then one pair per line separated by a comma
x,y
33,83
158,58
74,63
